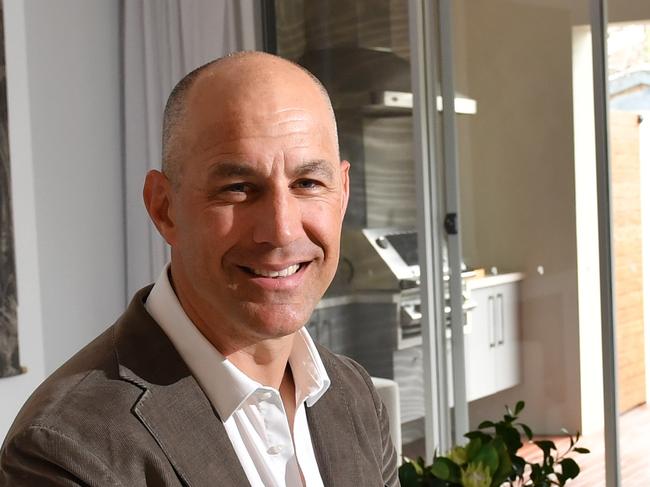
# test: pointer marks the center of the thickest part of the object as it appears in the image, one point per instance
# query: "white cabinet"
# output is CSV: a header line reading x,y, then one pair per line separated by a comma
x,y
508,343
479,349
492,346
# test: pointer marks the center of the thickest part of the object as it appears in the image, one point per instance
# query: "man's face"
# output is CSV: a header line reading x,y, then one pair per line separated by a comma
x,y
257,211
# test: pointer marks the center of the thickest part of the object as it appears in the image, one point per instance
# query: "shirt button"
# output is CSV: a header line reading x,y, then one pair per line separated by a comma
x,y
275,449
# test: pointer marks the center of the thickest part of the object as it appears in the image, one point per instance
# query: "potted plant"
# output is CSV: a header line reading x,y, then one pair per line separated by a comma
x,y
489,459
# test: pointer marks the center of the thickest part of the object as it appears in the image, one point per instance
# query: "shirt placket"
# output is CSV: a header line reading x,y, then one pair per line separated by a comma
x,y
277,435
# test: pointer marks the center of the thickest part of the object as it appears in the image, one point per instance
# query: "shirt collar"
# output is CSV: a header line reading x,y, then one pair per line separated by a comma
x,y
226,386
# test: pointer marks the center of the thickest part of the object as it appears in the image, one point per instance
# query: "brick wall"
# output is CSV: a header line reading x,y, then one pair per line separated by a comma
x,y
628,272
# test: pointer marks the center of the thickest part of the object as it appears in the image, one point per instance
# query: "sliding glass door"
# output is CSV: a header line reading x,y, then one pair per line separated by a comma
x,y
549,227
476,266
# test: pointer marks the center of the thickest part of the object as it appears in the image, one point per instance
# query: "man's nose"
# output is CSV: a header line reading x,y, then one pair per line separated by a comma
x,y
278,219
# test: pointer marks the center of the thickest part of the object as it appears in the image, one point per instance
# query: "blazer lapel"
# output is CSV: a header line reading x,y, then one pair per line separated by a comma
x,y
193,438
334,437
173,408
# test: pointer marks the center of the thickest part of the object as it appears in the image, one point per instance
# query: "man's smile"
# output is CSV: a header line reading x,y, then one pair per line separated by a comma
x,y
286,272
276,273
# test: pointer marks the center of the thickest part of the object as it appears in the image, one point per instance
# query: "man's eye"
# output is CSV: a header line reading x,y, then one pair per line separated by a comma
x,y
232,193
237,188
306,184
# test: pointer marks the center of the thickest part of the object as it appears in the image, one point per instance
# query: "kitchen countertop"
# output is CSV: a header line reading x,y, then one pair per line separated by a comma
x,y
481,282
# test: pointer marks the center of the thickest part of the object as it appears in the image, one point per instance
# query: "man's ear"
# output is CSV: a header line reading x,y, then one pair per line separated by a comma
x,y
157,194
345,185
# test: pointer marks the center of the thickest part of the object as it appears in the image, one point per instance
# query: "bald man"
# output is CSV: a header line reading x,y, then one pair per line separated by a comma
x,y
209,377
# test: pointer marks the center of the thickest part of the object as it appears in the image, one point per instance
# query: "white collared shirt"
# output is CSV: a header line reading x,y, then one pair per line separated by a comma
x,y
252,414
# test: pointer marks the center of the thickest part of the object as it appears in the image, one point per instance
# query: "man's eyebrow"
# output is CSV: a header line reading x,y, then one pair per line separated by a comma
x,y
318,166
229,169
226,169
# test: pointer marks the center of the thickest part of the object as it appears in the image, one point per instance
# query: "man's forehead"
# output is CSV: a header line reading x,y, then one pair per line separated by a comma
x,y
254,98
254,110
241,142
241,123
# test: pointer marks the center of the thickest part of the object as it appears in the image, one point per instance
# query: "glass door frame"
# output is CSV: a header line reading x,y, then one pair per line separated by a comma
x,y
605,241
438,428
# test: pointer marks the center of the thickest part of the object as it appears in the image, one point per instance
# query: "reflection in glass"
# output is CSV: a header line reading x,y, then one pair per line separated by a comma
x,y
529,217
360,52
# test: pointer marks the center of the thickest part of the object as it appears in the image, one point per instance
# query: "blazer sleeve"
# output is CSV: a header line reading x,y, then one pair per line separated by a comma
x,y
388,454
39,455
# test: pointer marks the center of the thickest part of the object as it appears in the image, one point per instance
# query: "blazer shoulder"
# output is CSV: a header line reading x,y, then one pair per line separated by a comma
x,y
349,374
41,455
83,393
88,387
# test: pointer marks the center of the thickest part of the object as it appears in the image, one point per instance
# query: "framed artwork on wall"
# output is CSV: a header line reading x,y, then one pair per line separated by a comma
x,y
9,361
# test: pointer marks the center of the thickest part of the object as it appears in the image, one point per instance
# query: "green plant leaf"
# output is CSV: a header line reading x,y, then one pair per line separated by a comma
x,y
472,448
519,407
518,465
484,437
445,469
408,476
505,468
417,464
458,455
546,446
435,482
489,457
536,474
476,475
510,436
570,468
527,431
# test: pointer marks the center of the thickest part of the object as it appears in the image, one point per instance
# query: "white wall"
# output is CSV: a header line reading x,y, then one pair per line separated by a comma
x,y
591,384
73,60
65,132
518,191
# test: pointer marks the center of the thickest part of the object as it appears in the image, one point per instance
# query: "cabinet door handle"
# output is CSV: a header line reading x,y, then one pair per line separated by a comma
x,y
502,330
491,324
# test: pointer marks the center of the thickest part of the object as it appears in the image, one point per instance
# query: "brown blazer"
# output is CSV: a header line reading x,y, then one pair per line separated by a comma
x,y
126,411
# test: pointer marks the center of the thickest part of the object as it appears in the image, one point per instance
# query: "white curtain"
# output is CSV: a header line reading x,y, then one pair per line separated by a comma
x,y
162,41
